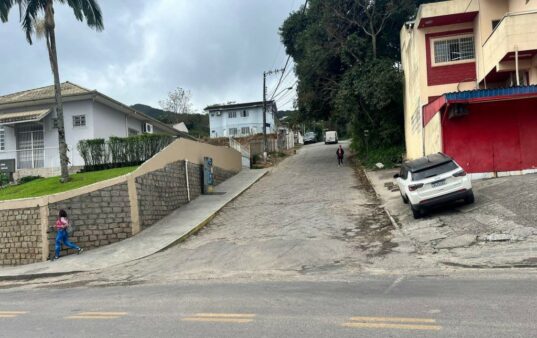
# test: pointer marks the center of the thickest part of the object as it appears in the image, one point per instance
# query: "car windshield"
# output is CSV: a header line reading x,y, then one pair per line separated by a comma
x,y
434,171
310,134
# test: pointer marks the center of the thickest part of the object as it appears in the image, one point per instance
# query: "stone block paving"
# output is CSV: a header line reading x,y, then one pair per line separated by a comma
x,y
498,230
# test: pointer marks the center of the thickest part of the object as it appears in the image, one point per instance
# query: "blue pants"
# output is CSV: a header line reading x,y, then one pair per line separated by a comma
x,y
62,237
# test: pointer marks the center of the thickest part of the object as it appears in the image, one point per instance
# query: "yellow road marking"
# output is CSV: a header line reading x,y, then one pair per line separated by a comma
x,y
393,326
11,314
394,319
219,320
226,315
97,315
221,317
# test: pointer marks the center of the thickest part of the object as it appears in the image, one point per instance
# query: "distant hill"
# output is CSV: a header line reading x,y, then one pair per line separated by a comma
x,y
282,113
197,124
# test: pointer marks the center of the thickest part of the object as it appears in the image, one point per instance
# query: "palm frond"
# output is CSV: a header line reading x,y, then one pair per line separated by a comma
x,y
29,16
88,9
5,6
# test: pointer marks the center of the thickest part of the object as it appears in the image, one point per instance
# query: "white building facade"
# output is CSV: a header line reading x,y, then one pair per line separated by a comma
x,y
28,125
241,119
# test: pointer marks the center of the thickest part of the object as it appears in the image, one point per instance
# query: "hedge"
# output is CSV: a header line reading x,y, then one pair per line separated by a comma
x,y
99,154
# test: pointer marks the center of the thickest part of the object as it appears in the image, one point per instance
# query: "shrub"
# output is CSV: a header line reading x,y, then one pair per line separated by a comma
x,y
27,179
99,154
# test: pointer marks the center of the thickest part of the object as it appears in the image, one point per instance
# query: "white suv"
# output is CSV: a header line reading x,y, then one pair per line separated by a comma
x,y
433,180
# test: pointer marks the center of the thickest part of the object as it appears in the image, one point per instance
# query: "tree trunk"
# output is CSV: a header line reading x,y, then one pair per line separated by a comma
x,y
373,38
53,57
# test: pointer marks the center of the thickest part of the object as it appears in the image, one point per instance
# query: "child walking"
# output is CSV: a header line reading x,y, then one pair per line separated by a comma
x,y
62,223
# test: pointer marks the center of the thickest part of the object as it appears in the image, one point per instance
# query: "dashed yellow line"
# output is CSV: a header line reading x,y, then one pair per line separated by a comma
x,y
11,314
400,323
98,315
239,318
394,319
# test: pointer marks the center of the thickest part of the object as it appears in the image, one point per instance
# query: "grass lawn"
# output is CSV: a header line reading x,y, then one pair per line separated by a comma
x,y
52,185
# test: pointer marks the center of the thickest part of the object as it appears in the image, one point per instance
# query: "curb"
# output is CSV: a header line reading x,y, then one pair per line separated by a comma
x,y
191,232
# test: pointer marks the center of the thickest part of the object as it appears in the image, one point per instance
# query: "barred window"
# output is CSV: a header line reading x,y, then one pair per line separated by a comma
x,y
2,138
245,130
232,131
232,114
456,49
79,120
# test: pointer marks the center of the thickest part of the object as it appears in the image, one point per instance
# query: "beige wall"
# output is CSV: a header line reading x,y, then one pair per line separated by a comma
x,y
514,30
433,136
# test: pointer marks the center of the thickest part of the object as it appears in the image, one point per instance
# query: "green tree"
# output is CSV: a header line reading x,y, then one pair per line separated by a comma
x,y
33,11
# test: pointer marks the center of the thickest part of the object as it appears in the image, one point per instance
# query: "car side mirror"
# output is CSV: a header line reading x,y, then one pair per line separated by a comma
x,y
396,176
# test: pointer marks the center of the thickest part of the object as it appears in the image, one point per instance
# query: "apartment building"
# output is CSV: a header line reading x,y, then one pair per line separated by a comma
x,y
241,119
470,74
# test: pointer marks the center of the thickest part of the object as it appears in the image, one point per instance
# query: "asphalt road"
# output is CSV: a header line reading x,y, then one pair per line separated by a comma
x,y
371,307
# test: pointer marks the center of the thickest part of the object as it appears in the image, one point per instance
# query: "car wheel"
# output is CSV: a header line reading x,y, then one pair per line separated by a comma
x,y
416,212
470,198
404,198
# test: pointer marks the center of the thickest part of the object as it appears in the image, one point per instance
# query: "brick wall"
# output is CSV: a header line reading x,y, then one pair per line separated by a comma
x,y
20,236
164,190
100,218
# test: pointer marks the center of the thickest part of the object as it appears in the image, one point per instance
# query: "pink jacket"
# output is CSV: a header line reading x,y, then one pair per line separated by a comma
x,y
62,223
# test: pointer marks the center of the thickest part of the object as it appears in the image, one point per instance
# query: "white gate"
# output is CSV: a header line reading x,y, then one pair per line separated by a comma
x,y
244,150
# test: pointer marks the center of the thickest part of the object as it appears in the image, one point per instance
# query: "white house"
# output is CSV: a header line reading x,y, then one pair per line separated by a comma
x,y
241,119
29,134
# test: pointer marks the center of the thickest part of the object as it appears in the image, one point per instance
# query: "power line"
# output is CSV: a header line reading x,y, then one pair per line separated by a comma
x,y
290,100
283,91
288,58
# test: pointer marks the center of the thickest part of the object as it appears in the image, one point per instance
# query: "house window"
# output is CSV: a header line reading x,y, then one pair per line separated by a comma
x,y
245,130
244,113
212,114
232,131
232,114
55,123
79,120
454,49
133,132
2,138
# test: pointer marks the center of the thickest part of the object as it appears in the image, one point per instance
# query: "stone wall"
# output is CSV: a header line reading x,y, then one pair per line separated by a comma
x,y
164,190
20,236
100,218
220,175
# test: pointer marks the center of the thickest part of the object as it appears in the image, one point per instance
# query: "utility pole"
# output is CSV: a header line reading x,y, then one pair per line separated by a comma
x,y
265,143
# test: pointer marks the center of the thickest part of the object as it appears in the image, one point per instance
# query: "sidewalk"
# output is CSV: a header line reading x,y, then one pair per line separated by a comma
x,y
174,228
498,231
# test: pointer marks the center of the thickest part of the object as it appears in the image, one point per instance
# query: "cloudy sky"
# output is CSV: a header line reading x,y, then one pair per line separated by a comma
x,y
217,49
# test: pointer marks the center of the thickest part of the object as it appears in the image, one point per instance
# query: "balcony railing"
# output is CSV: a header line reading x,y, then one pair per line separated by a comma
x,y
515,31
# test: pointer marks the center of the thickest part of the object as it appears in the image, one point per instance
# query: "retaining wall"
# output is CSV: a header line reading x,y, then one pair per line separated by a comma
x,y
110,211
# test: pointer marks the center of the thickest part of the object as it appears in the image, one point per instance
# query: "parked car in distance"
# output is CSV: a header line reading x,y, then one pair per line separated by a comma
x,y
330,136
310,137
433,180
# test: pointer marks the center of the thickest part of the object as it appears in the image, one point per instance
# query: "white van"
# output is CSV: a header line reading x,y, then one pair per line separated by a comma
x,y
330,137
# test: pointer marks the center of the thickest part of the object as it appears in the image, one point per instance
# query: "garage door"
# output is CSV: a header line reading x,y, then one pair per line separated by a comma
x,y
494,137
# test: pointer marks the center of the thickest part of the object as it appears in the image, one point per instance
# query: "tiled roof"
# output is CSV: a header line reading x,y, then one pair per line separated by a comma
x,y
484,93
67,89
32,115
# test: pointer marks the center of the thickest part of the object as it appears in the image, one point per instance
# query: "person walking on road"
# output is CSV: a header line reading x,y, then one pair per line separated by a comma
x,y
340,154
62,237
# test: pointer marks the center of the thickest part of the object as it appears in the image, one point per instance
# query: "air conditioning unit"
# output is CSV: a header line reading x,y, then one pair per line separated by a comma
x,y
148,128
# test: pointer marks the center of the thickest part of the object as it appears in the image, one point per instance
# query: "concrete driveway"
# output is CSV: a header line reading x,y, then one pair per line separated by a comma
x,y
498,230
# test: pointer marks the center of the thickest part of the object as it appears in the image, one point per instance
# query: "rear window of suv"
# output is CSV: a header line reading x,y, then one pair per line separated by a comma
x,y
434,171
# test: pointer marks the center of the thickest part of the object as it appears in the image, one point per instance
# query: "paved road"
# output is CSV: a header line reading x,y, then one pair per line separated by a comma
x,y
371,307
308,217
291,257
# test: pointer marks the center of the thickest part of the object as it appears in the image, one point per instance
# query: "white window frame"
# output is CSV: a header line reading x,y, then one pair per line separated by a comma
x,y
2,138
231,114
447,38
244,113
81,118
233,131
245,130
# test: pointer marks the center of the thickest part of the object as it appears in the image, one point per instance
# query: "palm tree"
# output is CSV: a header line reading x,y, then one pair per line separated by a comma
x,y
31,12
